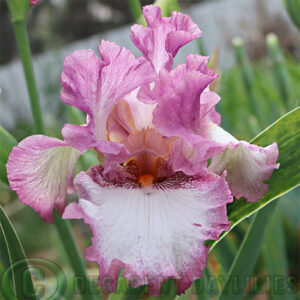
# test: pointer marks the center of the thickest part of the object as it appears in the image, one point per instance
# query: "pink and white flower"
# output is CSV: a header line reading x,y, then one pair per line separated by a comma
x,y
155,201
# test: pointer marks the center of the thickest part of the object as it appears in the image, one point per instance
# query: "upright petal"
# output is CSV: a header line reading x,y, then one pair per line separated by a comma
x,y
123,74
155,233
192,160
94,85
80,80
40,169
247,166
163,37
184,108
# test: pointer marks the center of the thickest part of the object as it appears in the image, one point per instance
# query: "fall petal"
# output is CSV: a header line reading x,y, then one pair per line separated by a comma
x,y
40,169
247,166
154,234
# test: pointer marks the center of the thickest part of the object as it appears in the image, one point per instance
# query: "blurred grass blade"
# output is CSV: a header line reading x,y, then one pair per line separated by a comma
x,y
75,258
167,6
293,9
247,256
280,72
135,8
286,133
7,142
248,78
4,256
20,271
225,252
200,286
75,116
275,257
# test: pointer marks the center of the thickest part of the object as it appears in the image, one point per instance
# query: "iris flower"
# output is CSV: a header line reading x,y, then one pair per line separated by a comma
x,y
153,200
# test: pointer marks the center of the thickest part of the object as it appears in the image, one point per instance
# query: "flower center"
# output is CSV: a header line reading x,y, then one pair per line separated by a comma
x,y
148,148
146,180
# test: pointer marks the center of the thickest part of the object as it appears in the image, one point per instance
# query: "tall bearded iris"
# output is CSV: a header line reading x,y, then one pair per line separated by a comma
x,y
154,201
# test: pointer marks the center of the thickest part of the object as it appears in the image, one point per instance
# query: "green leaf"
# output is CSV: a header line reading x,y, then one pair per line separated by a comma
x,y
247,256
275,257
286,133
18,264
293,9
7,142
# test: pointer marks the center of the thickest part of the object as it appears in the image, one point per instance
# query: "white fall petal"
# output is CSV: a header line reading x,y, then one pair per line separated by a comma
x,y
154,233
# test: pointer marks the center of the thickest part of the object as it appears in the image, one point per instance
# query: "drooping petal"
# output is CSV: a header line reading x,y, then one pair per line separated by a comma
x,y
247,166
79,136
40,169
184,108
155,233
82,138
163,37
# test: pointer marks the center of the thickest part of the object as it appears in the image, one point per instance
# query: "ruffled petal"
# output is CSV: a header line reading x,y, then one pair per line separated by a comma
x,y
80,137
122,75
247,166
94,85
184,108
40,169
163,37
80,80
192,160
155,233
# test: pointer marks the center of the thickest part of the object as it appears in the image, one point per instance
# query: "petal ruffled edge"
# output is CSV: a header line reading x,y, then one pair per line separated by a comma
x,y
185,107
40,169
247,165
195,221
163,37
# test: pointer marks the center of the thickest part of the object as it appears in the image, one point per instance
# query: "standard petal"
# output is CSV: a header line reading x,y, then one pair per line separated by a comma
x,y
184,107
153,234
122,75
95,85
192,160
163,37
40,169
247,166
80,79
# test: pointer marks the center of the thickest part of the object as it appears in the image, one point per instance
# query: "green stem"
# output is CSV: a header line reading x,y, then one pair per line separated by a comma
x,y
63,227
25,53
75,258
